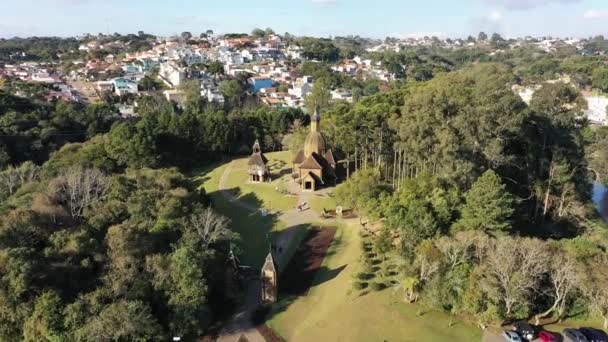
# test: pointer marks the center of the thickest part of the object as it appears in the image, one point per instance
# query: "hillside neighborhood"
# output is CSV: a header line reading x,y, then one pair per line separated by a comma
x,y
269,66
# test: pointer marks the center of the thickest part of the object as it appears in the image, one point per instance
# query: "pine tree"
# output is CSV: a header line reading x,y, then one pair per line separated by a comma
x,y
488,206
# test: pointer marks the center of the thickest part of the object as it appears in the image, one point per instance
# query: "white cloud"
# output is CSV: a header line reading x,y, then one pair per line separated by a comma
x,y
526,4
495,16
596,14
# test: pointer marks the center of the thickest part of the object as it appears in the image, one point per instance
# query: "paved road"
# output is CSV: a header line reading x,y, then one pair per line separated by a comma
x,y
240,324
492,336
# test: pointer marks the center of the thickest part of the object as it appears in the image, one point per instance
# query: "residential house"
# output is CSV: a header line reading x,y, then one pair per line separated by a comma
x,y
124,86
342,95
302,87
172,74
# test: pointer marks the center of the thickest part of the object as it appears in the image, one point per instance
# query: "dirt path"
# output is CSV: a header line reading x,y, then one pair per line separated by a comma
x,y
230,197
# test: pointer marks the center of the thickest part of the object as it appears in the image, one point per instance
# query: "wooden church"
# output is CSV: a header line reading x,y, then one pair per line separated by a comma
x,y
258,165
314,166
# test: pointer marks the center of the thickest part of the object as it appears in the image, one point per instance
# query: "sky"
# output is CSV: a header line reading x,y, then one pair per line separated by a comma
x,y
370,18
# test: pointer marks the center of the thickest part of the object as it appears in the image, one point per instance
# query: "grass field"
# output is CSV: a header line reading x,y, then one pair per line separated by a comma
x,y
252,227
332,311
279,164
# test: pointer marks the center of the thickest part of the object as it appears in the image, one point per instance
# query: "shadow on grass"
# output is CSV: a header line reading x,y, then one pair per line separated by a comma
x,y
256,231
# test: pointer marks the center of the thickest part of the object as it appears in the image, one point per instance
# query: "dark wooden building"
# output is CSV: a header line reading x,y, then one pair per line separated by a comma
x,y
315,166
268,281
257,165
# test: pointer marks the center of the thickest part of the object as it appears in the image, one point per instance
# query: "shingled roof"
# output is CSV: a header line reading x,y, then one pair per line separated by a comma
x,y
299,157
312,163
257,159
314,176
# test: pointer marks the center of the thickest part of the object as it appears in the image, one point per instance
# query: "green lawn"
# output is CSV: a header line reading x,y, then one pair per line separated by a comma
x,y
333,311
264,194
252,227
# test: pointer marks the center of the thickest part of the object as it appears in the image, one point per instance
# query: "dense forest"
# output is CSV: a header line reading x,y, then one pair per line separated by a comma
x,y
101,229
485,199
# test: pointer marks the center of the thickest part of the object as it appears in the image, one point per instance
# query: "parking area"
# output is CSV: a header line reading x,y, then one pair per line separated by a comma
x,y
493,336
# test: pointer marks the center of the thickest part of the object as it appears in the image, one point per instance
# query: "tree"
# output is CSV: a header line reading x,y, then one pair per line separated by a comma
x,y
233,91
319,97
564,277
216,68
79,189
482,36
513,269
410,287
594,286
207,227
600,79
488,206
46,322
186,35
496,38
257,32
122,321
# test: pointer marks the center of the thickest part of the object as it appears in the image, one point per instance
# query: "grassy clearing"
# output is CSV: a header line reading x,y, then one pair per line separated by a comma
x,y
333,311
252,227
265,194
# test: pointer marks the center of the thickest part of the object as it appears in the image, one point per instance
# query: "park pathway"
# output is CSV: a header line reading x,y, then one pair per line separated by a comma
x,y
241,323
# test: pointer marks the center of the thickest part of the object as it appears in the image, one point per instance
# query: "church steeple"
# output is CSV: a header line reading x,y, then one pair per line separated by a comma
x,y
256,147
314,121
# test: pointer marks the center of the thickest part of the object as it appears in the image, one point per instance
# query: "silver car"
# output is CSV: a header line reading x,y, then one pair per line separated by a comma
x,y
511,336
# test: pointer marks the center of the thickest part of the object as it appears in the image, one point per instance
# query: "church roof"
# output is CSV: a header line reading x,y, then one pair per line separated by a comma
x,y
311,163
315,116
269,263
314,143
315,177
299,157
257,159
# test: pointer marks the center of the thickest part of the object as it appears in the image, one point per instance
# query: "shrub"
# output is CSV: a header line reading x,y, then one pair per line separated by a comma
x,y
377,286
359,285
365,276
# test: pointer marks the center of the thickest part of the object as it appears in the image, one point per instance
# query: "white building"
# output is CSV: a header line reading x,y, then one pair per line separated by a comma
x,y
341,95
301,87
172,74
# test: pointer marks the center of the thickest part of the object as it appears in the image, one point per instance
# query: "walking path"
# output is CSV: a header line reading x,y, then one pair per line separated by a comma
x,y
241,323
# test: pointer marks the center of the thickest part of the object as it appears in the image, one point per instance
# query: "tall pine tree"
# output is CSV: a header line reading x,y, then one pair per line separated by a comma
x,y
488,205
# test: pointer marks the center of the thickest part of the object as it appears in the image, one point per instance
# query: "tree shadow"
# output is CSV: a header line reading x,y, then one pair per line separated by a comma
x,y
304,269
246,219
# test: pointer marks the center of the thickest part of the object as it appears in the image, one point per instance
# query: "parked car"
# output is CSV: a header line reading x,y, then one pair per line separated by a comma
x,y
594,335
547,336
511,336
573,335
525,330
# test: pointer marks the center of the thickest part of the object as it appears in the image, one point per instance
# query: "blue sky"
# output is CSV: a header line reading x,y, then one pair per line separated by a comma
x,y
375,18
